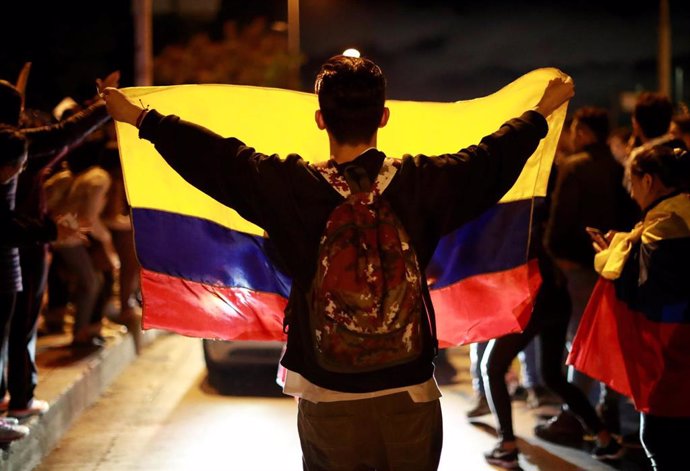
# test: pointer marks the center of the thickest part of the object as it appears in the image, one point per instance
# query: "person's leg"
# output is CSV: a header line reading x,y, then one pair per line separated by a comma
x,y
529,365
480,406
581,281
476,354
22,374
497,359
664,440
123,241
608,408
566,427
58,296
78,262
389,432
412,432
552,344
7,303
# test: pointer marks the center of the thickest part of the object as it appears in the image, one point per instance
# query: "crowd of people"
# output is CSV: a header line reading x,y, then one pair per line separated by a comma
x,y
66,249
66,242
591,197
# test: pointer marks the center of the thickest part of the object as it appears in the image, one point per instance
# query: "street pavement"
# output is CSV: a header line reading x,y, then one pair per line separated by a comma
x,y
161,413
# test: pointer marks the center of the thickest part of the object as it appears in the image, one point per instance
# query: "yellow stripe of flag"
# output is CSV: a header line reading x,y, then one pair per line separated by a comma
x,y
280,122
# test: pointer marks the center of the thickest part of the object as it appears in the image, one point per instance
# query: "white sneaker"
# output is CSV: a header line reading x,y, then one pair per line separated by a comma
x,y
36,407
10,432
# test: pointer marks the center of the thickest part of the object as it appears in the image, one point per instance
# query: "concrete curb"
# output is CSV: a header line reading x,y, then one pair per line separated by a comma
x,y
70,390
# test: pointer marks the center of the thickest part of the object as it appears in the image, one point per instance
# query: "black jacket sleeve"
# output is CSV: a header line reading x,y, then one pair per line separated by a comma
x,y
456,188
21,231
223,168
46,141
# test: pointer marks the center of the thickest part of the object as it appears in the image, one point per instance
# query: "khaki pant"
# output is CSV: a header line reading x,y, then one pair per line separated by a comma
x,y
388,433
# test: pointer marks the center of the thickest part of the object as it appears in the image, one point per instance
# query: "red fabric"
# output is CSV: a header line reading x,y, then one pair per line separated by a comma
x,y
200,310
485,306
647,361
466,312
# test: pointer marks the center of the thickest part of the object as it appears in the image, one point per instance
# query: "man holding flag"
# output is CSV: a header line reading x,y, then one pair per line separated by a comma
x,y
353,416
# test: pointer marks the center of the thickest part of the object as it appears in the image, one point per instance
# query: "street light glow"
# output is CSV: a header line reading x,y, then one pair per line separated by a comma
x,y
351,52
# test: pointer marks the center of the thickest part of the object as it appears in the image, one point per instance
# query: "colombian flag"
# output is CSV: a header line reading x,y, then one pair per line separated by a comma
x,y
635,331
207,272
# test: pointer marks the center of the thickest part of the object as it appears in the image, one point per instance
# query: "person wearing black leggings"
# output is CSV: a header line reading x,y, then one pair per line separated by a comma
x,y
549,320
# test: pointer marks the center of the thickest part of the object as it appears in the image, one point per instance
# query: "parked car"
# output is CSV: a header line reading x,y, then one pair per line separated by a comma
x,y
243,367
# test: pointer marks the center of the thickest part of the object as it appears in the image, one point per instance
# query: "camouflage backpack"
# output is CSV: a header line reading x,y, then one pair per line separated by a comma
x,y
366,297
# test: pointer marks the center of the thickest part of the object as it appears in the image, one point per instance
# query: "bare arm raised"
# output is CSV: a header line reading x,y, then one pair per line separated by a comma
x,y
120,107
558,91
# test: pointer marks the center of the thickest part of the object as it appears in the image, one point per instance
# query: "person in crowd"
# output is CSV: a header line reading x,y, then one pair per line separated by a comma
x,y
18,230
88,261
549,323
116,217
480,405
680,128
273,193
619,144
651,123
588,192
46,144
650,268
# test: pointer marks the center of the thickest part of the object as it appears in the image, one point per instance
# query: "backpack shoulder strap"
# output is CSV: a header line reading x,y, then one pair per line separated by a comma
x,y
335,179
385,176
330,173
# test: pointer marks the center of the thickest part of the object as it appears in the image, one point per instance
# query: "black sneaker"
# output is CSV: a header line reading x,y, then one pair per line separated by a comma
x,y
612,451
563,429
503,458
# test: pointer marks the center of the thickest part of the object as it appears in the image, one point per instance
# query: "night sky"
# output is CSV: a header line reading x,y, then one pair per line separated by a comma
x,y
429,49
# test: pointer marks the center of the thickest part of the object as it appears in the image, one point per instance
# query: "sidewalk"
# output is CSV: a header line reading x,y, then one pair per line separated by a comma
x,y
70,380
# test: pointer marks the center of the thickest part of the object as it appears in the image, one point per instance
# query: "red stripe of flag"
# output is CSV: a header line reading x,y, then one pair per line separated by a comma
x,y
216,312
645,360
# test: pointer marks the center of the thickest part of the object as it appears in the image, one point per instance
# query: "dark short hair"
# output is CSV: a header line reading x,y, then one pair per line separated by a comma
x,y
596,119
653,112
671,166
10,103
13,146
352,94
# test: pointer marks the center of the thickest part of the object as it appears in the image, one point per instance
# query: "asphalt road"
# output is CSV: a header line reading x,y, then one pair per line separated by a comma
x,y
162,414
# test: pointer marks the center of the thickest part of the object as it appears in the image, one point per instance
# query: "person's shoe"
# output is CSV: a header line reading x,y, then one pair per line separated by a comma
x,y
609,414
35,407
563,428
10,432
93,341
540,396
612,451
503,458
480,407
9,420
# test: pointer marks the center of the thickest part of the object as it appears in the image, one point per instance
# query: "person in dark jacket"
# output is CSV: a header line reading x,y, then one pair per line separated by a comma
x,y
589,192
388,418
18,230
45,146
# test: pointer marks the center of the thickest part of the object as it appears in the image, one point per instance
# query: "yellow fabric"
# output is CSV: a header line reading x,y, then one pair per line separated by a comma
x,y
279,122
670,219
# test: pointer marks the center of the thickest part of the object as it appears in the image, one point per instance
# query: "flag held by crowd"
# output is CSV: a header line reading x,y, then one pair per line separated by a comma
x,y
207,272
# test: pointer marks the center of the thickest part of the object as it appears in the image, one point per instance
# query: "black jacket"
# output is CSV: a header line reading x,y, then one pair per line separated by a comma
x,y
288,198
